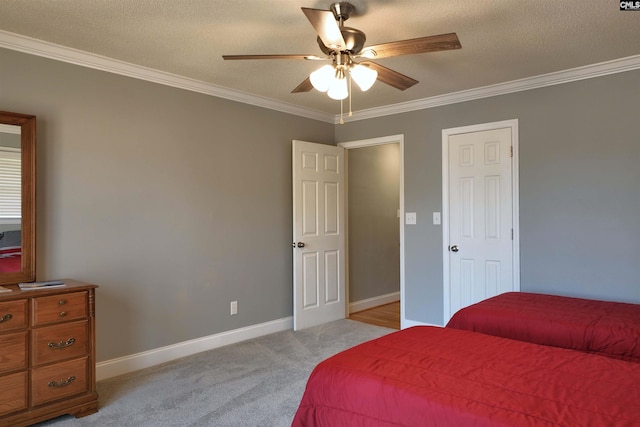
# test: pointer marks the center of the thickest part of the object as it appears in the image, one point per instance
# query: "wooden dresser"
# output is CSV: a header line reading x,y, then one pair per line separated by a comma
x,y
47,353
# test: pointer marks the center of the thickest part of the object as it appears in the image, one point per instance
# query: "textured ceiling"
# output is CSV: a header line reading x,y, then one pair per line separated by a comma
x,y
502,40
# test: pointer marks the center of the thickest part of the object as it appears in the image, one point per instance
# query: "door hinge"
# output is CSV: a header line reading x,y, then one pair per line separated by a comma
x,y
512,234
511,151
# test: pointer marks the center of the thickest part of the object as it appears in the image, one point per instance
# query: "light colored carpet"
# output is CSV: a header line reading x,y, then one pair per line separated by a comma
x,y
258,382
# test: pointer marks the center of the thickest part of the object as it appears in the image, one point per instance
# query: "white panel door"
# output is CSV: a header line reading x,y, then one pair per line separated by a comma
x,y
318,234
480,216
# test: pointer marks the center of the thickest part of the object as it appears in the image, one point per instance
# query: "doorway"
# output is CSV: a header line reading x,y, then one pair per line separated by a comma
x,y
375,233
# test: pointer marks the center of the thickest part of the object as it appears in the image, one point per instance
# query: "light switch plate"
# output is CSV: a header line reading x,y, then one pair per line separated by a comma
x,y
410,218
436,218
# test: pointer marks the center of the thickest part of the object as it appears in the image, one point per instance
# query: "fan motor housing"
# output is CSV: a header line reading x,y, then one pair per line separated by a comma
x,y
353,37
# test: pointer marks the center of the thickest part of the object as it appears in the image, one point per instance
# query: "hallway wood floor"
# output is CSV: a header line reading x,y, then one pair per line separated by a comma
x,y
387,315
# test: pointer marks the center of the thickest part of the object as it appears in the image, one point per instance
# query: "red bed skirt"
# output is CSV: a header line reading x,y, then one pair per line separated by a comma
x,y
428,376
607,328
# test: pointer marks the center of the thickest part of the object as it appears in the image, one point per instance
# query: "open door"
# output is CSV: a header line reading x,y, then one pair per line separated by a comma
x,y
318,234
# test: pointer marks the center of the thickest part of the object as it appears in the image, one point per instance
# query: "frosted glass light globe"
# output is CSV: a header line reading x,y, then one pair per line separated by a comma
x,y
338,89
322,77
364,76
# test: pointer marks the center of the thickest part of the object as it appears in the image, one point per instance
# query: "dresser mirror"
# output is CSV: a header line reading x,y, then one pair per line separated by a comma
x,y
17,198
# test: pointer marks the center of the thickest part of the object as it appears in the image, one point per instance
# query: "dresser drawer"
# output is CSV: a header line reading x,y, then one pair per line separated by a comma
x,y
13,352
60,380
59,308
13,315
13,393
59,342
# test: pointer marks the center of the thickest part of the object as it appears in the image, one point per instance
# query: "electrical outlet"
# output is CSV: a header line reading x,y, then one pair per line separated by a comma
x,y
234,307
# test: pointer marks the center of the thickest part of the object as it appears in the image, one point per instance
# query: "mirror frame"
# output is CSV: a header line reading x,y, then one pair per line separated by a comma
x,y
27,125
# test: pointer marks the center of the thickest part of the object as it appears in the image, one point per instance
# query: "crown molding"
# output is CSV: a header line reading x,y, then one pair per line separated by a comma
x,y
574,74
49,50
45,49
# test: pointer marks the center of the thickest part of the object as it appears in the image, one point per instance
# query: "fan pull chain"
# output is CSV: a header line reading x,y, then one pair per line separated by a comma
x,y
350,93
341,114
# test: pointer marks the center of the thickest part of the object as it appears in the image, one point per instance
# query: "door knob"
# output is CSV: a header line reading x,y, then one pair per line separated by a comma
x,y
300,245
454,248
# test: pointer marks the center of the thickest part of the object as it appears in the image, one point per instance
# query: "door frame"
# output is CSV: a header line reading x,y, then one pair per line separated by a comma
x,y
515,211
391,139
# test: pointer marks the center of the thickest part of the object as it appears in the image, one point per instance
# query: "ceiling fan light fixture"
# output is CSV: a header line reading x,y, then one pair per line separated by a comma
x,y
322,77
342,45
364,76
338,89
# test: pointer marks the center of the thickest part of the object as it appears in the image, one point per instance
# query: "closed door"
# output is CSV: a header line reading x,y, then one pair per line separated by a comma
x,y
318,234
480,250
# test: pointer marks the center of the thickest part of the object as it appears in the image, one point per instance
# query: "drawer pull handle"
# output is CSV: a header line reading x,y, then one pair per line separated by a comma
x,y
62,383
6,317
63,313
62,302
62,344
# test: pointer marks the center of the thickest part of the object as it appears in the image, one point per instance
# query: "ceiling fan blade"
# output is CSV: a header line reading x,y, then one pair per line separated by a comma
x,y
407,47
391,77
305,86
326,26
309,57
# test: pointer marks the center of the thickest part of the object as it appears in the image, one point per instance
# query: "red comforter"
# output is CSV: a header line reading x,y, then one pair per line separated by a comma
x,y
428,376
607,328
10,260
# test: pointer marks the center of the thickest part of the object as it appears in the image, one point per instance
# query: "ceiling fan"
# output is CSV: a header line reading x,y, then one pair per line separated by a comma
x,y
344,47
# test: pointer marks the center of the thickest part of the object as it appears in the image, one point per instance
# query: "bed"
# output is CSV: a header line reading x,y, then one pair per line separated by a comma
x,y
607,328
10,260
432,376
10,251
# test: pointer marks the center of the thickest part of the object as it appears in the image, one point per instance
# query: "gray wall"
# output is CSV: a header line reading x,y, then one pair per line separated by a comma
x,y
579,188
374,230
177,203
174,202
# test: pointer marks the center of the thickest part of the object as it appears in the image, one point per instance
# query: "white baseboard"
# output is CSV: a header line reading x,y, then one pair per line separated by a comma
x,y
146,359
365,304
